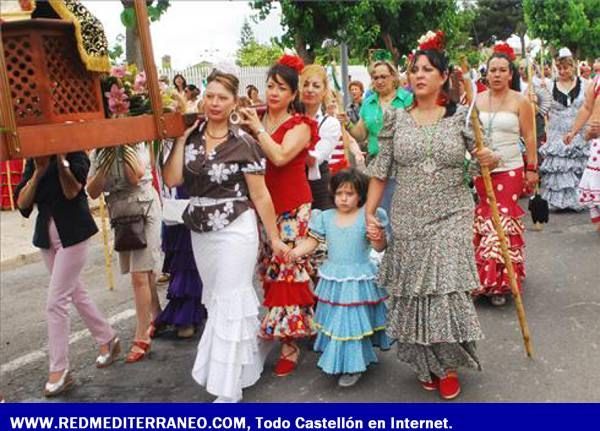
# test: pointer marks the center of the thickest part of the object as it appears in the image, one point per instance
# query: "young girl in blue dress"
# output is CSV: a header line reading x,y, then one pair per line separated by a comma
x,y
351,312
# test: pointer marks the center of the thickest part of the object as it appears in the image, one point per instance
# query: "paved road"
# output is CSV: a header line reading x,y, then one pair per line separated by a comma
x,y
562,298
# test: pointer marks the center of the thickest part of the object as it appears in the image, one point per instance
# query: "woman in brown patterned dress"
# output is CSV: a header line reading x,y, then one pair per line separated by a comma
x,y
429,267
223,170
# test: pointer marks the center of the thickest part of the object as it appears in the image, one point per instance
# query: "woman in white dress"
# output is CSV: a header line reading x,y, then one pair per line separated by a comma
x,y
223,171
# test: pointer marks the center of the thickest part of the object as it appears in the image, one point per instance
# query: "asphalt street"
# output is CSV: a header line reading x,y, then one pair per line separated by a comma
x,y
562,300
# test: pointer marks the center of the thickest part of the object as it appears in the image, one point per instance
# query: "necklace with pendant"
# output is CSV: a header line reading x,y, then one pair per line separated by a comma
x,y
428,165
429,131
492,115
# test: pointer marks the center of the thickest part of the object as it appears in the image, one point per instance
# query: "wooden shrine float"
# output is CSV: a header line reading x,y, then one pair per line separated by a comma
x,y
50,103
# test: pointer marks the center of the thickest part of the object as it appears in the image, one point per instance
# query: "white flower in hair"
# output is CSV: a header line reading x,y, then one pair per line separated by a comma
x,y
227,67
426,37
564,52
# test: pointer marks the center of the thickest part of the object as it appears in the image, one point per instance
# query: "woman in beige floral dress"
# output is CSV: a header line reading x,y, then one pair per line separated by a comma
x,y
429,268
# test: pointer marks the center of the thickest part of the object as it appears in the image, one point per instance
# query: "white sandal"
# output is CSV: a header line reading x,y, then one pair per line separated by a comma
x,y
114,348
54,389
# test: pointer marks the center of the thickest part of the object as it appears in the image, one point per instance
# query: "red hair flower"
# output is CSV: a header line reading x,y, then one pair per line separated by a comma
x,y
432,41
292,61
505,48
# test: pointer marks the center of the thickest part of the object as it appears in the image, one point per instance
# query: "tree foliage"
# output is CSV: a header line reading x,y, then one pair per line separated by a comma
x,y
573,23
497,20
364,24
133,50
258,54
247,35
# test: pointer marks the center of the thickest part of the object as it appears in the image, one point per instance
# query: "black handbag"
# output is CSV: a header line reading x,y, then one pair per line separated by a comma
x,y
130,230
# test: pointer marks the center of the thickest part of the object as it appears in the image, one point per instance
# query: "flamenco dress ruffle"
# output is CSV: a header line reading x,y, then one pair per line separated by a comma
x,y
491,267
185,287
350,317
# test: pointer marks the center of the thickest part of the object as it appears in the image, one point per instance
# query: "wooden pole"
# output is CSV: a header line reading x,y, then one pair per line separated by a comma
x,y
107,252
143,27
537,225
9,186
489,189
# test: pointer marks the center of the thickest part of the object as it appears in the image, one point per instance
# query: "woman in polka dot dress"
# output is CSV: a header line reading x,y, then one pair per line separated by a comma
x,y
589,187
506,116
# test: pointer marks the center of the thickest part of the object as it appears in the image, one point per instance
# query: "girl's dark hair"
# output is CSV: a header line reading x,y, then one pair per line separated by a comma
x,y
439,61
179,75
515,84
280,72
249,89
358,180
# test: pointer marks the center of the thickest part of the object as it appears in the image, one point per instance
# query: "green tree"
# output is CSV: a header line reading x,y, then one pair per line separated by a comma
x,y
574,23
497,20
133,52
363,24
258,54
247,35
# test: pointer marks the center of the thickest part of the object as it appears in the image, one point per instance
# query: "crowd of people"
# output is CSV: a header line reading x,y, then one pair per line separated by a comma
x,y
306,195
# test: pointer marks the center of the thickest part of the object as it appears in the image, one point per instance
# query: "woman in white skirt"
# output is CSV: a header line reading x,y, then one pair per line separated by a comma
x,y
223,170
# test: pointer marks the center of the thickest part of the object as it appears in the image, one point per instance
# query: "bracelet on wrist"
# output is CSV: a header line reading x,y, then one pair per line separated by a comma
x,y
260,131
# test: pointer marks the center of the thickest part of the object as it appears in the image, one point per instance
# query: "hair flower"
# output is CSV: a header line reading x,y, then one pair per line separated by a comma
x,y
432,41
506,49
292,61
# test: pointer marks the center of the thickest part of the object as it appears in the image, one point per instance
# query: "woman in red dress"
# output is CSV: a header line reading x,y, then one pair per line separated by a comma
x,y
286,135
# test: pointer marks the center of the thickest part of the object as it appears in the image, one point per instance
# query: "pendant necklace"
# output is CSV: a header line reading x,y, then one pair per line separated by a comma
x,y
492,116
429,131
428,165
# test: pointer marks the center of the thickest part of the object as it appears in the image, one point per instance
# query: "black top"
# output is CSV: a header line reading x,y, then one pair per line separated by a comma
x,y
73,219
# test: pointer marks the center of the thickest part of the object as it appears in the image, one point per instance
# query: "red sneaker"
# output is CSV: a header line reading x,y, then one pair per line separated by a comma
x,y
449,386
285,366
434,385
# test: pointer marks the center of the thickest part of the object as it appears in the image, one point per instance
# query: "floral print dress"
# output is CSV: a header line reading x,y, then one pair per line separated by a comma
x,y
429,266
215,180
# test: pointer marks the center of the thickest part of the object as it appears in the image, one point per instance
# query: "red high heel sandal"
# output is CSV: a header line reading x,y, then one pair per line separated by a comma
x,y
135,356
285,366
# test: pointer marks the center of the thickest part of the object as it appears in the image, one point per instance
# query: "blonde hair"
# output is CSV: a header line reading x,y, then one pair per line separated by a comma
x,y
565,61
334,96
391,68
315,70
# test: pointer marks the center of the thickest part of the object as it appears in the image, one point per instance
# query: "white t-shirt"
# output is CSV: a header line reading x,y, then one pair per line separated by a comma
x,y
330,131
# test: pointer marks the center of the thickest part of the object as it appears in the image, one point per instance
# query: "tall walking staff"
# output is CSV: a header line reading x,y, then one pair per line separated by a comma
x,y
489,189
107,251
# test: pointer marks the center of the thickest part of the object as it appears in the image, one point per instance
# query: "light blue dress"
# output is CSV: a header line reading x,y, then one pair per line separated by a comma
x,y
351,310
